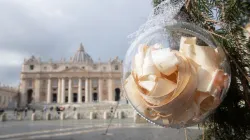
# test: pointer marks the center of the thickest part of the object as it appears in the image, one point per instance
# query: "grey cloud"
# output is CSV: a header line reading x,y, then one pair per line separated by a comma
x,y
54,29
9,75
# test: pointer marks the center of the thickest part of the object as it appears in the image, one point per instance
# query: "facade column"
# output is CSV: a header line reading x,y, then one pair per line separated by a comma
x,y
59,91
100,89
86,90
70,91
37,90
80,90
90,91
63,91
49,91
110,89
23,90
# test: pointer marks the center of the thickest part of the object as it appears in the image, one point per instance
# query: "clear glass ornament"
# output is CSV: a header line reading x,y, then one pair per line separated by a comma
x,y
175,76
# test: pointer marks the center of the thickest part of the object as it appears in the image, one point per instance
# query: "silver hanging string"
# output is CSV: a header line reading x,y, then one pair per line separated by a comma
x,y
112,117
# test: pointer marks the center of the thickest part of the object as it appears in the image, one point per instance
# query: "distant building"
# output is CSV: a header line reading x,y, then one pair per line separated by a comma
x,y
8,97
79,80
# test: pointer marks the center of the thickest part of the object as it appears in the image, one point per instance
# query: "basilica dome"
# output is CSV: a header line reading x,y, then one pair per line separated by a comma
x,y
81,56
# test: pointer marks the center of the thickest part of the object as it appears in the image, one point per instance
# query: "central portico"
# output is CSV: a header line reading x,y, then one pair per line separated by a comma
x,y
73,83
79,80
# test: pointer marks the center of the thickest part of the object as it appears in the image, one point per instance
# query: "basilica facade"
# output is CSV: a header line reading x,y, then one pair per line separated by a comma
x,y
78,80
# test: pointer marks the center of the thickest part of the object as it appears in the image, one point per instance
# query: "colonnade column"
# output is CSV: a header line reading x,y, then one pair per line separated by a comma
x,y
100,89
90,91
49,91
70,91
80,90
63,91
37,90
23,89
86,90
59,91
110,89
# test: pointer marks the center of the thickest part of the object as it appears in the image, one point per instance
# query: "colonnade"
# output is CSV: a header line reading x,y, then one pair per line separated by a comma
x,y
88,90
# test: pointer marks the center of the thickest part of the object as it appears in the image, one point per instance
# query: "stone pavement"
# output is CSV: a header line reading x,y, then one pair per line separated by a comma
x,y
123,129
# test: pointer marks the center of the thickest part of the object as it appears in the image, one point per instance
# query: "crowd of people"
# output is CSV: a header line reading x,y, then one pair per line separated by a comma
x,y
18,111
58,109
25,110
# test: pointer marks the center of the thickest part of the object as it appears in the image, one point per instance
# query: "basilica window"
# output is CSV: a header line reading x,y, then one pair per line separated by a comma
x,y
43,83
75,82
95,82
104,68
116,67
104,82
94,67
66,67
31,67
45,68
54,83
83,67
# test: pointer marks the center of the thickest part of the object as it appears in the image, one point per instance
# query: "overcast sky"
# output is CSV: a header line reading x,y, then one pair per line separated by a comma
x,y
55,28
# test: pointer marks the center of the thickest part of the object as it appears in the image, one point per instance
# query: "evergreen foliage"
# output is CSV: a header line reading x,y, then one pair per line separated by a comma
x,y
225,20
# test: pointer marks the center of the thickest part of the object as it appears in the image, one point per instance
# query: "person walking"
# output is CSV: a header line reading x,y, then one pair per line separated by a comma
x,y
58,110
1,110
45,109
15,111
51,108
25,111
111,110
